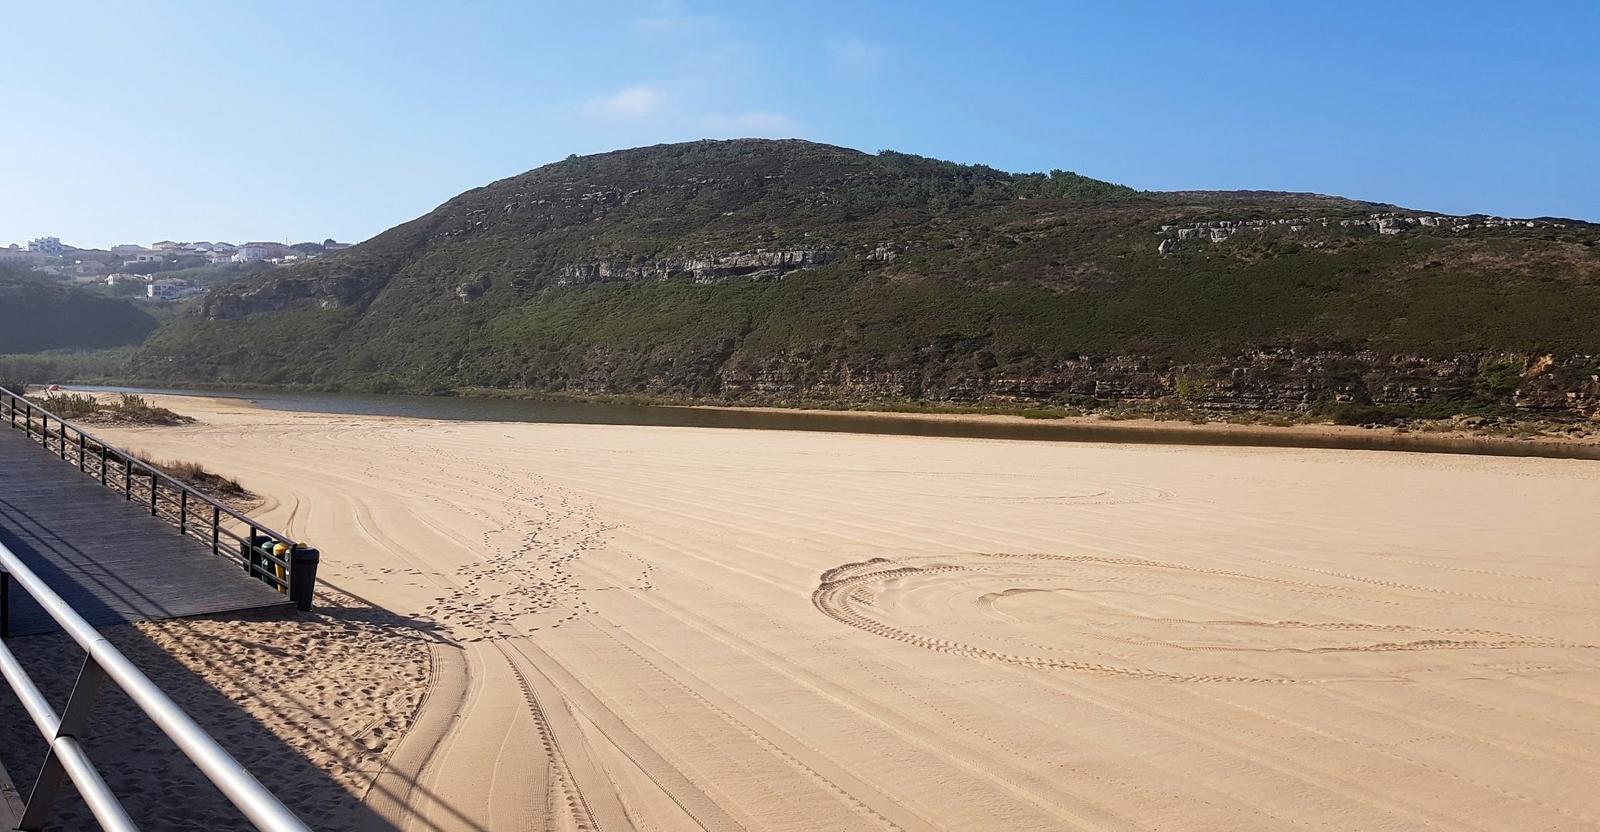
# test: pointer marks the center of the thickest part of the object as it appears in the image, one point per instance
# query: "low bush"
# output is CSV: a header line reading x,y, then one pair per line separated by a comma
x,y
70,405
198,477
127,409
136,409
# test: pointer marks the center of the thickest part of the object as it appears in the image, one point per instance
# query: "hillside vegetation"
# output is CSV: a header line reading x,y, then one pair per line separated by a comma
x,y
37,314
786,270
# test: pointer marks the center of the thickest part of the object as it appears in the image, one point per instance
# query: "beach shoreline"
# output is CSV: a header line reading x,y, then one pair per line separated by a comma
x,y
1182,427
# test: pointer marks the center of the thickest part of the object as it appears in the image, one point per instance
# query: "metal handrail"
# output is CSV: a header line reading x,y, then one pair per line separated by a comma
x,y
256,550
66,756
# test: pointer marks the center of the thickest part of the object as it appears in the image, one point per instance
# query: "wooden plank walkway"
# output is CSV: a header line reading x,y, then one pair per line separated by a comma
x,y
107,557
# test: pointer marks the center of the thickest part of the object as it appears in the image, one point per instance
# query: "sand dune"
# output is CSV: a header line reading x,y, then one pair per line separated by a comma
x,y
678,629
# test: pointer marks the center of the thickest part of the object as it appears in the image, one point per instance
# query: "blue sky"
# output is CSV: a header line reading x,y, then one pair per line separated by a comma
x,y
131,122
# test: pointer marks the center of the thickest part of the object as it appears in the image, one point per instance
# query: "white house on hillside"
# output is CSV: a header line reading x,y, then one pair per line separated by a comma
x,y
48,246
252,252
169,289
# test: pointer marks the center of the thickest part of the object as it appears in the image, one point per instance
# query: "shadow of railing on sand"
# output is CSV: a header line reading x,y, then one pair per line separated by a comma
x,y
311,739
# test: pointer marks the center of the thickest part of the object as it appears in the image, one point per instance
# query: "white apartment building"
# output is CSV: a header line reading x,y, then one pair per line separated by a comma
x,y
48,246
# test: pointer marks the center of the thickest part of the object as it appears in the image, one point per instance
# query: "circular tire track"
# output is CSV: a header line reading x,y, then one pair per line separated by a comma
x,y
853,593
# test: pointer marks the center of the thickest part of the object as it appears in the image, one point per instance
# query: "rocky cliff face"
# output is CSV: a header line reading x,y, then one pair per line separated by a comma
x,y
698,268
1276,380
280,292
1281,380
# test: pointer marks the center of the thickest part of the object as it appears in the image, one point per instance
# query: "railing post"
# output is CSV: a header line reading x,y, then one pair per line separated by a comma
x,y
183,512
74,723
127,478
216,530
103,455
106,663
250,557
81,449
153,481
5,604
303,575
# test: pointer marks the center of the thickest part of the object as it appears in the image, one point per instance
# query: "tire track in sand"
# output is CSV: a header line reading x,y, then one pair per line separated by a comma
x,y
845,594
544,679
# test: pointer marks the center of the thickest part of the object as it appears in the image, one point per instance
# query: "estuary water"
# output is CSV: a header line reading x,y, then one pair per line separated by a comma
x,y
551,411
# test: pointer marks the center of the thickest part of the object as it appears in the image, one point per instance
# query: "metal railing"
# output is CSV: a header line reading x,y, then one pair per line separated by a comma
x,y
270,556
66,759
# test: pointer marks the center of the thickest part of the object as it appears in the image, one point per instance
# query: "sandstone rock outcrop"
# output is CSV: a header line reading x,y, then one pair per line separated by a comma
x,y
327,291
1386,224
1269,379
699,268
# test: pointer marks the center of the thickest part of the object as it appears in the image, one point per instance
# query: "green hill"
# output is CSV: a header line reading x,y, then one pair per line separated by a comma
x,y
37,314
768,270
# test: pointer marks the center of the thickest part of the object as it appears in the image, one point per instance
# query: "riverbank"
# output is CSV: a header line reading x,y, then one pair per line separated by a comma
x,y
1426,434
1468,435
1172,415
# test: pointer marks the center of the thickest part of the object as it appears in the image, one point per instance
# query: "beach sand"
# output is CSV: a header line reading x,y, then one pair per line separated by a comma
x,y
309,703
678,628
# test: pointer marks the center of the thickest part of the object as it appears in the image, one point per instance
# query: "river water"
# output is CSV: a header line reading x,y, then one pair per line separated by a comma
x,y
598,413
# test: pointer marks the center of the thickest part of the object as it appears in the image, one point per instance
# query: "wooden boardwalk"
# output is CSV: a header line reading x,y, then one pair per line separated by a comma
x,y
107,557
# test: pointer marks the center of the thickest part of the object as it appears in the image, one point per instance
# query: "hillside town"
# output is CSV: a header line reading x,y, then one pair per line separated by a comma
x,y
166,270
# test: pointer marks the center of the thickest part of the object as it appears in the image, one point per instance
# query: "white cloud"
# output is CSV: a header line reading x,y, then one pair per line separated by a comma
x,y
672,18
855,55
715,89
672,24
752,124
684,107
638,101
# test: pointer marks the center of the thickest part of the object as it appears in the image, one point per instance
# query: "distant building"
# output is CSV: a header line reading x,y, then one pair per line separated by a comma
x,y
167,245
88,267
169,289
128,248
48,246
123,279
144,257
254,252
17,254
330,245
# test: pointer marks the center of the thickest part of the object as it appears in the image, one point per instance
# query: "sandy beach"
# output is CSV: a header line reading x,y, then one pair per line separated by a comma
x,y
678,629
